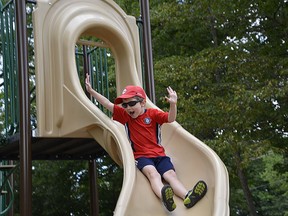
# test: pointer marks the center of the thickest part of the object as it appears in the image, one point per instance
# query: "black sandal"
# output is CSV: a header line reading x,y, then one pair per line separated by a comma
x,y
196,194
167,197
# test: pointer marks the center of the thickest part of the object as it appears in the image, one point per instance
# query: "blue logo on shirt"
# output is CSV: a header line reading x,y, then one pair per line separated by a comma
x,y
147,120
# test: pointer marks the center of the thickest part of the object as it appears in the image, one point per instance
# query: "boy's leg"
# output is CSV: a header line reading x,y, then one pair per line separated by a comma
x,y
190,197
165,193
166,170
154,178
178,188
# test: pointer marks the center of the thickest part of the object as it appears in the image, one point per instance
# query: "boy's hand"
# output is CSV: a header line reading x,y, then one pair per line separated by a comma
x,y
172,99
87,83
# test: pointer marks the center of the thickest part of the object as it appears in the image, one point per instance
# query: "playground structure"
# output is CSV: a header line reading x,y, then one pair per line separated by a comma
x,y
64,110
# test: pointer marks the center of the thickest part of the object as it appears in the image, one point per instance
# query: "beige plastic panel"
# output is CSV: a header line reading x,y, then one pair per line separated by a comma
x,y
63,110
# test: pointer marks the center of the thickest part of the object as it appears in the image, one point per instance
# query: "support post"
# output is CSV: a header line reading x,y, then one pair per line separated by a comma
x,y
94,200
24,101
86,67
148,57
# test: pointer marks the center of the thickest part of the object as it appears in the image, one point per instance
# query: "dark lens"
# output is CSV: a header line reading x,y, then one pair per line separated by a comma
x,y
130,103
124,105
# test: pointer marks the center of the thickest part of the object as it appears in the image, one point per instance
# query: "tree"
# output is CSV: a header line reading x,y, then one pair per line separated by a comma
x,y
233,87
61,187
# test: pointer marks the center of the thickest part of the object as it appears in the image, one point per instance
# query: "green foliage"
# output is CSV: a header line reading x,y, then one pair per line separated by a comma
x,y
59,188
3,140
231,80
62,187
110,183
130,7
271,194
232,100
2,117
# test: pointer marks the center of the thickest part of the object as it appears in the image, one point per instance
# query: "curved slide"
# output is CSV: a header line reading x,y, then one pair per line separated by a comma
x,y
63,110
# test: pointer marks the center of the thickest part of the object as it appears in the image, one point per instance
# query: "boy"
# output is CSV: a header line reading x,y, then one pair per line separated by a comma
x,y
143,129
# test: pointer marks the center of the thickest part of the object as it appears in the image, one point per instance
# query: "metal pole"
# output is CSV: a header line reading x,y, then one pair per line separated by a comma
x,y
86,66
24,121
94,200
148,57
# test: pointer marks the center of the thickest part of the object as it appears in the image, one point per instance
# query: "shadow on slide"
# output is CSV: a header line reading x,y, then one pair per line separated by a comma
x,y
63,110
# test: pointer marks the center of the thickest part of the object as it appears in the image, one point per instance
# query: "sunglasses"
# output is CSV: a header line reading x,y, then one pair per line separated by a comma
x,y
130,103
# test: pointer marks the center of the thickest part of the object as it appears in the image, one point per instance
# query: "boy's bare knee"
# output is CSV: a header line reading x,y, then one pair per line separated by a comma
x,y
151,173
169,175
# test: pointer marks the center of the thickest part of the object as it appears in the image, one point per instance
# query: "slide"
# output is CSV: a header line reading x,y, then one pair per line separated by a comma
x,y
63,110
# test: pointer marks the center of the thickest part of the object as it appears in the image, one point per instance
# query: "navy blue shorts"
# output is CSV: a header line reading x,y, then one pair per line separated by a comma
x,y
162,164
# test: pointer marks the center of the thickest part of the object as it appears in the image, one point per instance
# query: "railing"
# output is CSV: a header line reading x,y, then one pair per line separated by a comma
x,y
9,69
9,84
6,187
96,59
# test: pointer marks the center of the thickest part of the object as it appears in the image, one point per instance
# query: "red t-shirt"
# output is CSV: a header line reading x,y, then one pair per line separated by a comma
x,y
144,132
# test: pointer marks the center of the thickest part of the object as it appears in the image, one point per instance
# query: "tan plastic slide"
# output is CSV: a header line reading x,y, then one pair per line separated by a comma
x,y
63,110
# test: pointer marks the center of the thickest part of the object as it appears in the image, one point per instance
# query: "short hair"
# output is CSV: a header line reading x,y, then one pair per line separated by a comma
x,y
138,98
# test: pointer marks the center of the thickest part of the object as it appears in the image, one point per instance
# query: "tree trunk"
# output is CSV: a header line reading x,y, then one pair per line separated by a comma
x,y
245,187
213,30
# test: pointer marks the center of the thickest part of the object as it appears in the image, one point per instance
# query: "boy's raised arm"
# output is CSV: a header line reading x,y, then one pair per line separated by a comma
x,y
172,99
100,98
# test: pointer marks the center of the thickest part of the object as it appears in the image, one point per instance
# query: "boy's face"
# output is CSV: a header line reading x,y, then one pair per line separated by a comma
x,y
133,107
